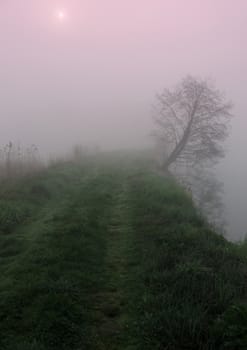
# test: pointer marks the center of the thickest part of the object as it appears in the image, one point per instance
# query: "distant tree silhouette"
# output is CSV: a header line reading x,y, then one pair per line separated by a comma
x,y
191,123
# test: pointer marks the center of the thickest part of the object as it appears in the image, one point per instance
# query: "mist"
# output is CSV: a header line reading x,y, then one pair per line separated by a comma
x,y
91,76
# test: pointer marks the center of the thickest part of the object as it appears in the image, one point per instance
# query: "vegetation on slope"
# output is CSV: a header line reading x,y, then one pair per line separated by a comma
x,y
107,255
194,288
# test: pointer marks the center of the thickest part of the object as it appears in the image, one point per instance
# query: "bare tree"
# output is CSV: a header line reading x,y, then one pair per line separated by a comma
x,y
191,123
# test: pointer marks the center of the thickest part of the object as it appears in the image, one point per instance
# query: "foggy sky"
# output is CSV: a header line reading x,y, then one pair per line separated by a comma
x,y
93,77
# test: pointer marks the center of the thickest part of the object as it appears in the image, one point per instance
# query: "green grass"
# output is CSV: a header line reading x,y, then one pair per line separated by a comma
x,y
194,288
51,265
107,255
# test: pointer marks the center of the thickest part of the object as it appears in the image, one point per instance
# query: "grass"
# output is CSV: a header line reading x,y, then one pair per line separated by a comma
x,y
51,265
193,293
108,255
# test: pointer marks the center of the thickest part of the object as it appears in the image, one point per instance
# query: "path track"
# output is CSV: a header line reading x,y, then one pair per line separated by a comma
x,y
69,269
111,303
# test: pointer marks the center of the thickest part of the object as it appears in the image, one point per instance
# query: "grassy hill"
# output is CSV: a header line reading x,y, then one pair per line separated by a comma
x,y
107,255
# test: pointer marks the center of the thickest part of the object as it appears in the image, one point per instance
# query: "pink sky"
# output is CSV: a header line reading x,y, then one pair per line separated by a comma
x,y
94,77
105,63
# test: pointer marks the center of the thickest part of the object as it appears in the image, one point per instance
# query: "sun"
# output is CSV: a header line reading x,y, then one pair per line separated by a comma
x,y
61,15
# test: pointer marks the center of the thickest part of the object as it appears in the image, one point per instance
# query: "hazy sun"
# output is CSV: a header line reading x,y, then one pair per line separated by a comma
x,y
61,15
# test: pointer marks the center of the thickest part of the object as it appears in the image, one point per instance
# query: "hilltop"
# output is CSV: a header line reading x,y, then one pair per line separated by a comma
x,y
106,254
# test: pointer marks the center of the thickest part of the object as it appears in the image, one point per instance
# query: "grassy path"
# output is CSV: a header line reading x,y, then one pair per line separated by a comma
x,y
112,309
110,257
66,270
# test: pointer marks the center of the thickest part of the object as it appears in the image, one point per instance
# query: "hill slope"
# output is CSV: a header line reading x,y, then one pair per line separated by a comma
x,y
107,255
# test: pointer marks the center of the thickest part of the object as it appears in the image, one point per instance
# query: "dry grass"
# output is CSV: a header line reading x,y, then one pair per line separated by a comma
x,y
16,161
